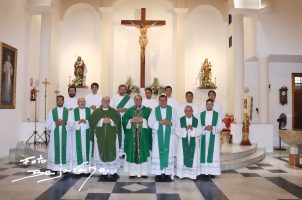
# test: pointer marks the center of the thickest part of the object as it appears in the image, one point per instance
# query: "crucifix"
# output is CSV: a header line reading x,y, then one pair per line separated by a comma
x,y
143,25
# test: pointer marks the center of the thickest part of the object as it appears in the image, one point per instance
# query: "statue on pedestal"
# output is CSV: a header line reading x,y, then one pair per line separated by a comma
x,y
80,71
205,76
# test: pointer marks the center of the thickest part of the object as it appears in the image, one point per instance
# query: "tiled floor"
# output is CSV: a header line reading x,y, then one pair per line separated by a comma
x,y
270,179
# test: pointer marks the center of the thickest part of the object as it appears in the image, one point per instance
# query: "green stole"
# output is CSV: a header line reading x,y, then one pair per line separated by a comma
x,y
123,102
203,139
163,144
188,147
78,136
57,137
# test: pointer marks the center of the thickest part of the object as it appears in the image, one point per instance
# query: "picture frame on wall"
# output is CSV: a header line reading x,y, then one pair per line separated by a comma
x,y
8,76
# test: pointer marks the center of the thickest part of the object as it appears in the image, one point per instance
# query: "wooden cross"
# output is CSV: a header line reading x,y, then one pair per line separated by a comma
x,y
45,83
143,25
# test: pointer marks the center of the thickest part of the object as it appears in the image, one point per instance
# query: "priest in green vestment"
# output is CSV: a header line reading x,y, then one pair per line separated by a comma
x,y
137,139
211,125
59,148
188,132
80,138
163,121
106,136
121,102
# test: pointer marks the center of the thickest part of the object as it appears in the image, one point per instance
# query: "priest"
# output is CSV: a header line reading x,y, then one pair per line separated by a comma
x,y
149,101
81,138
138,138
93,100
211,125
189,101
71,102
106,136
188,133
121,102
162,122
59,149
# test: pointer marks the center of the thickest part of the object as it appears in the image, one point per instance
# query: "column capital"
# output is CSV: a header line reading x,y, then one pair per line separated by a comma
x,y
104,10
180,10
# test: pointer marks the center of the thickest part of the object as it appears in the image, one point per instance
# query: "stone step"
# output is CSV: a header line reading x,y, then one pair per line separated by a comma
x,y
234,151
243,161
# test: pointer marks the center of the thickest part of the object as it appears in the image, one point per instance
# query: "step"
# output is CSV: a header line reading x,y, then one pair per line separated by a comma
x,y
243,161
234,151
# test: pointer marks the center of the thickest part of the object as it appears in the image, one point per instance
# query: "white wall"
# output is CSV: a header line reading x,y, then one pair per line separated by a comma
x,y
160,48
281,29
206,37
279,75
80,36
13,30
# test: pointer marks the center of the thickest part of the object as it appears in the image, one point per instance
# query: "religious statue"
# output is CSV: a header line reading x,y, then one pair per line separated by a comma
x,y
80,71
143,39
246,121
205,76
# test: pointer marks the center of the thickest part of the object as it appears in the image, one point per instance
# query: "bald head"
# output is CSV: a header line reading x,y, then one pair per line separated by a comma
x,y
81,102
105,101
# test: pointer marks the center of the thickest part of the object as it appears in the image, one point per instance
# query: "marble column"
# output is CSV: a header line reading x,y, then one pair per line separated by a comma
x,y
44,62
180,51
107,50
263,90
238,45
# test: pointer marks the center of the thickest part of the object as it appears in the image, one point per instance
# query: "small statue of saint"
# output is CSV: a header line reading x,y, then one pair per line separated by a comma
x,y
80,71
205,75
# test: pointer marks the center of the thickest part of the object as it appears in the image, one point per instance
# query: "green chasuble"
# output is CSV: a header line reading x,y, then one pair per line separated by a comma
x,y
163,141
203,139
188,143
78,139
106,135
137,139
60,158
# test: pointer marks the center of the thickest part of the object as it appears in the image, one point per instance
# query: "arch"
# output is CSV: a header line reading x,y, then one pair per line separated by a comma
x,y
66,8
221,8
206,7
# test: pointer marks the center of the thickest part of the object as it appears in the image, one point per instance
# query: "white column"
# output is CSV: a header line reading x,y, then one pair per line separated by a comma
x,y
44,61
238,45
107,50
180,51
263,90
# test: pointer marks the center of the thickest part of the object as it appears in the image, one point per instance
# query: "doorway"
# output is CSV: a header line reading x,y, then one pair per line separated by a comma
x,y
297,100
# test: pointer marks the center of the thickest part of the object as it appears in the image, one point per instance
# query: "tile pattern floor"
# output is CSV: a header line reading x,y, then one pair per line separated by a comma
x,y
270,179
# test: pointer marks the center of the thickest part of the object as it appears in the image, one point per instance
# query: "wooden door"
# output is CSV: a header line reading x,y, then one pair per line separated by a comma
x,y
297,100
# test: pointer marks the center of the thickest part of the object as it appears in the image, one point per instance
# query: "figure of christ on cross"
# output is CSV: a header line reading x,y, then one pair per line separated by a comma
x,y
143,25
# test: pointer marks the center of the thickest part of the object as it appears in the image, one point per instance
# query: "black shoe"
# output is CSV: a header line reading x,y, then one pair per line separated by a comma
x,y
163,177
116,176
132,177
157,178
168,178
144,176
212,176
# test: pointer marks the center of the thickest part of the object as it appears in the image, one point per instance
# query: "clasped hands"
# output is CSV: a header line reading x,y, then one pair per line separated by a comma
x,y
106,120
137,120
121,110
208,128
60,122
165,122
82,121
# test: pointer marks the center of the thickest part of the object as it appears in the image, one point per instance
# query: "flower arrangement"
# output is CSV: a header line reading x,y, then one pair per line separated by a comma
x,y
156,88
130,87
